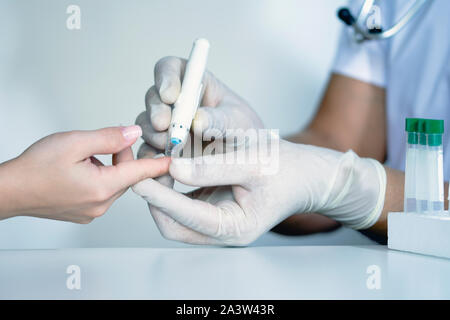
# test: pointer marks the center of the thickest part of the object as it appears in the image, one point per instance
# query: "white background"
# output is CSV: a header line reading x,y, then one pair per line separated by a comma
x,y
276,54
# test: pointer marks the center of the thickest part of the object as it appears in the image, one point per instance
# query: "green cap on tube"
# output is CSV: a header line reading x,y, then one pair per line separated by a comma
x,y
411,127
434,126
421,130
434,129
411,124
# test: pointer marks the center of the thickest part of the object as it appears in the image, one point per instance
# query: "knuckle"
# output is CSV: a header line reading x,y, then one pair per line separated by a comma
x,y
74,139
160,117
164,61
71,137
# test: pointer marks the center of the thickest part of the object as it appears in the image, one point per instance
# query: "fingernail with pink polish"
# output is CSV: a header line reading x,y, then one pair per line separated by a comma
x,y
131,132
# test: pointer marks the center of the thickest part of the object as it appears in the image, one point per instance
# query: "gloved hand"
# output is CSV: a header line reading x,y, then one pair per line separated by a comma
x,y
220,108
250,201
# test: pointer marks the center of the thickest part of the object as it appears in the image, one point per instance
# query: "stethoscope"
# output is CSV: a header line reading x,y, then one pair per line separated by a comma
x,y
363,33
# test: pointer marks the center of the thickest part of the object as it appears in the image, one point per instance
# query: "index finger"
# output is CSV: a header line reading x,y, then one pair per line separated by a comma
x,y
168,76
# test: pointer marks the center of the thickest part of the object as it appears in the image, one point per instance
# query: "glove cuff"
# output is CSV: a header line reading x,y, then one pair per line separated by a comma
x,y
374,215
357,192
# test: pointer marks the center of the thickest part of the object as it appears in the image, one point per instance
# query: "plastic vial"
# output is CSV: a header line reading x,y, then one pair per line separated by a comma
x,y
421,172
434,130
412,139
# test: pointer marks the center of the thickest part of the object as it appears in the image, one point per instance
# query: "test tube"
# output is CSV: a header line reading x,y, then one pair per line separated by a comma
x,y
421,171
412,139
434,130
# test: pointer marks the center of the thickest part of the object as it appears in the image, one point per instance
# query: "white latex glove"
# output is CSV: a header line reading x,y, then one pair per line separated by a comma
x,y
342,186
220,108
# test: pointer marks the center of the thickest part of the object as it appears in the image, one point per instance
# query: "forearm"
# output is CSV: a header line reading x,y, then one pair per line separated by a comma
x,y
316,138
9,202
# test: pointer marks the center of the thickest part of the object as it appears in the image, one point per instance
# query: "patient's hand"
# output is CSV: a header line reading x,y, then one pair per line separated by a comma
x,y
59,178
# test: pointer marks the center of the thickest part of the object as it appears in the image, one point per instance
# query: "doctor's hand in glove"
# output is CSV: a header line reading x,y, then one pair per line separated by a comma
x,y
251,199
220,108
237,202
58,177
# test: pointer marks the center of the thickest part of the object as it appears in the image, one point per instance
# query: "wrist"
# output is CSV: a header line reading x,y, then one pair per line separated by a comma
x,y
11,204
358,192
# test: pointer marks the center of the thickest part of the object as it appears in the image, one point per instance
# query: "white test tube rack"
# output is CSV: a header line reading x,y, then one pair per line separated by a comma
x,y
417,230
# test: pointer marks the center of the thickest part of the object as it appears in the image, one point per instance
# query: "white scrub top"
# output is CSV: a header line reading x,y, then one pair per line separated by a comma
x,y
413,67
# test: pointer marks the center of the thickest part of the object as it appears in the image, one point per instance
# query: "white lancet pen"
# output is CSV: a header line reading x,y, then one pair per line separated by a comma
x,y
185,107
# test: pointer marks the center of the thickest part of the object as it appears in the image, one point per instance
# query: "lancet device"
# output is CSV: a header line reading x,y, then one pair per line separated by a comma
x,y
185,107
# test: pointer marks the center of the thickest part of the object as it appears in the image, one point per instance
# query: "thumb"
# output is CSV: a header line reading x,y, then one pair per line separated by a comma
x,y
212,170
106,141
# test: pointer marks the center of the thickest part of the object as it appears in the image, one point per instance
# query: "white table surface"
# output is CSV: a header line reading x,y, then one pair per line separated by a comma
x,y
308,272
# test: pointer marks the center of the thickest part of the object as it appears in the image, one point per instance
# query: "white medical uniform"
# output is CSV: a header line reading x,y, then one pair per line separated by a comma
x,y
413,67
